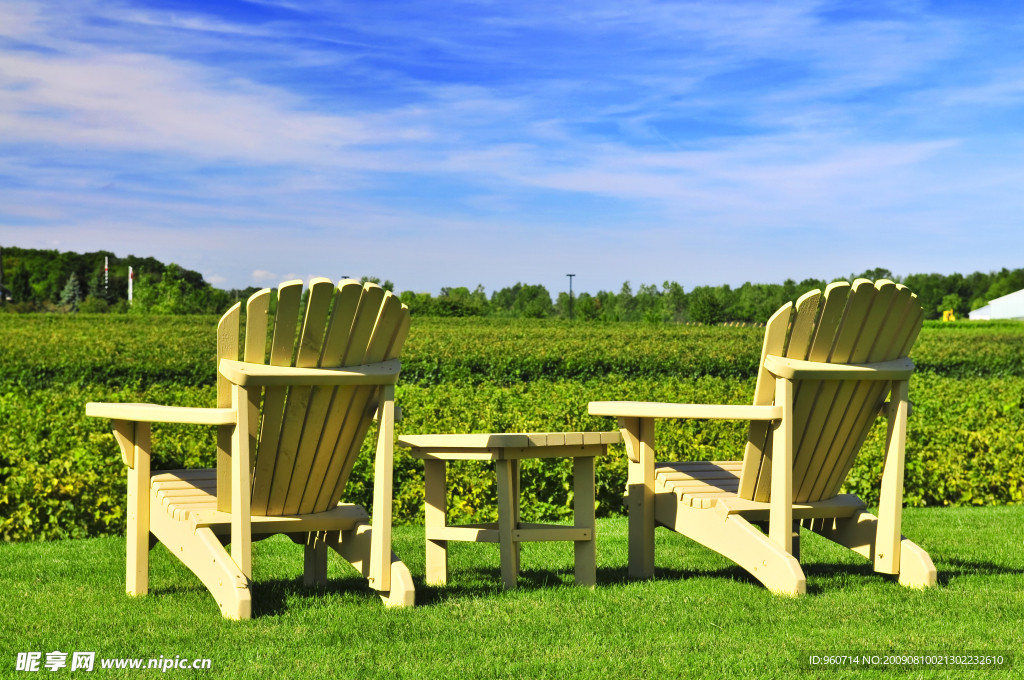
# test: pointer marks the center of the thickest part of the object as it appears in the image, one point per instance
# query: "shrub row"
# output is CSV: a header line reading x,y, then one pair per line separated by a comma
x,y
40,351
61,473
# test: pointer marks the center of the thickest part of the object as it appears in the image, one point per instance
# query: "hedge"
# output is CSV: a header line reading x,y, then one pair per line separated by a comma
x,y
61,474
39,351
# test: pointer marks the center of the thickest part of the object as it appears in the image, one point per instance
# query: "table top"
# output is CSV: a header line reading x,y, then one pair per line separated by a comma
x,y
507,445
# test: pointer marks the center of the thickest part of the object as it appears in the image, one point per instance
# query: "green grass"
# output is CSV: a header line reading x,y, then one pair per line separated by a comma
x,y
700,617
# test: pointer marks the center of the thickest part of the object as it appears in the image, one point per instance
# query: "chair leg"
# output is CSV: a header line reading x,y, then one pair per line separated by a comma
x,y
763,526
355,547
137,563
383,478
890,501
203,553
859,533
584,517
736,539
639,435
435,516
314,571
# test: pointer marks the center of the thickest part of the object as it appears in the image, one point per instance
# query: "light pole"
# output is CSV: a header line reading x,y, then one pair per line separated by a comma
x,y
570,295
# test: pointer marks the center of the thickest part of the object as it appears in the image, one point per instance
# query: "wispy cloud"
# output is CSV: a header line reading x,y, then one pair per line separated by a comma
x,y
697,141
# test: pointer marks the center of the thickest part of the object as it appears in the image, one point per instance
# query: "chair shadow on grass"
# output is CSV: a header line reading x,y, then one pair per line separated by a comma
x,y
952,568
486,582
276,596
271,596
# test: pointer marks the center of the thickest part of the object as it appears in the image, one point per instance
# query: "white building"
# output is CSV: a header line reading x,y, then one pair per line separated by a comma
x,y
1007,307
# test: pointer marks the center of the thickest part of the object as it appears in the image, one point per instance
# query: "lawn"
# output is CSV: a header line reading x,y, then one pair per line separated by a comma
x,y
61,475
701,616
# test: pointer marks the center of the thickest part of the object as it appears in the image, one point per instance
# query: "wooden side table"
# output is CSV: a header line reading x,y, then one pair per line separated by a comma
x,y
506,450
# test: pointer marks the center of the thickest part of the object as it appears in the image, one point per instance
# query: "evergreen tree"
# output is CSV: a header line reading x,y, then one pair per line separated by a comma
x,y
72,293
97,289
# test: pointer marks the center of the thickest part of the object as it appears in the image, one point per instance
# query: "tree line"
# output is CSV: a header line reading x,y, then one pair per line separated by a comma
x,y
48,280
51,281
749,303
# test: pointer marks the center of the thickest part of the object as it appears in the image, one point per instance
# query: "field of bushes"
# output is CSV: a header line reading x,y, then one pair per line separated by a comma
x,y
61,474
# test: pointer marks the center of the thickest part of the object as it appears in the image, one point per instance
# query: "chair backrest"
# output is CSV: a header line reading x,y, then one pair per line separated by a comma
x,y
862,323
305,438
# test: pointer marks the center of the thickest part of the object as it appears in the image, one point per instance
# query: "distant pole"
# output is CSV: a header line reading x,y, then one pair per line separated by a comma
x,y
570,295
131,279
106,277
3,292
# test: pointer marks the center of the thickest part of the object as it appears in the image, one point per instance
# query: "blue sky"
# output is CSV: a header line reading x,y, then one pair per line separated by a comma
x,y
456,143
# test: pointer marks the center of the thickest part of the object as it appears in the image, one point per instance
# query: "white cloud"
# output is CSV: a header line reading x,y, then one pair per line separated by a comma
x,y
141,102
263,276
492,151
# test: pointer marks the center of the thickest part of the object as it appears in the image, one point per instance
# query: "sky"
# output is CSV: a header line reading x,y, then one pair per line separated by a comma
x,y
461,143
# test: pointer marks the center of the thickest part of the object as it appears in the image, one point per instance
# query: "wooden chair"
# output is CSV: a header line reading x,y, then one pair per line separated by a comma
x,y
823,380
288,433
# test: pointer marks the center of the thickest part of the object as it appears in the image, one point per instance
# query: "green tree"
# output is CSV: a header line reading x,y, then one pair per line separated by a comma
x,y
607,307
524,301
876,274
478,298
71,296
951,301
178,292
94,305
586,307
649,304
705,307
625,303
420,304
533,302
387,285
96,288
453,302
756,302
675,300
562,305
1004,283
21,285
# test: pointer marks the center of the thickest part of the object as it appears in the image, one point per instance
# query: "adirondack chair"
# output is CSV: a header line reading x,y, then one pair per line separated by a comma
x,y
823,380
288,434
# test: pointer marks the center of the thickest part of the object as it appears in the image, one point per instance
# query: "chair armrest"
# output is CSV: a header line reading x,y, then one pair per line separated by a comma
x,y
259,375
643,409
155,413
794,369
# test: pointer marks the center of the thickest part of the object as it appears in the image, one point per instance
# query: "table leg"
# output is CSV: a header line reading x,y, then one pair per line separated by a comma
x,y
506,519
584,517
435,482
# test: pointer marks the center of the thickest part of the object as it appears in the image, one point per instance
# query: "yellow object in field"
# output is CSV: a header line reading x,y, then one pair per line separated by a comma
x,y
349,337
844,360
948,315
